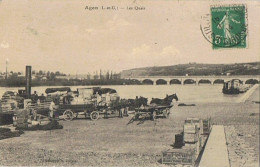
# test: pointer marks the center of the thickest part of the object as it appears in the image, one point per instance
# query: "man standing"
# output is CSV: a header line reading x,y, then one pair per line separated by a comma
x,y
99,99
52,108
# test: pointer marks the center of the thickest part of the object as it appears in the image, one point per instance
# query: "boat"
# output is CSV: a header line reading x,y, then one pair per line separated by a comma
x,y
232,87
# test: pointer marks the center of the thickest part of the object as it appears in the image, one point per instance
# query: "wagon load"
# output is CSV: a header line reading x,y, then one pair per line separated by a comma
x,y
89,101
10,100
108,94
85,93
56,93
8,105
53,90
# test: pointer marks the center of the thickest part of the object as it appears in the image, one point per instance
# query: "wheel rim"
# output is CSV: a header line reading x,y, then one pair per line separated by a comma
x,y
94,115
68,115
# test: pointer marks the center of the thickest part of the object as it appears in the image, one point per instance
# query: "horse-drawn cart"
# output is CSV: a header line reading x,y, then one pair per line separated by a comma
x,y
153,111
71,111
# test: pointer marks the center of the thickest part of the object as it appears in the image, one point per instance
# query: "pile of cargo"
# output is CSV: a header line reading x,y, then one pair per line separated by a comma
x,y
26,120
189,143
7,133
20,119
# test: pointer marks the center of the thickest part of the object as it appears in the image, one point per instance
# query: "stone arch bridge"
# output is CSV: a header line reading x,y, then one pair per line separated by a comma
x,y
167,80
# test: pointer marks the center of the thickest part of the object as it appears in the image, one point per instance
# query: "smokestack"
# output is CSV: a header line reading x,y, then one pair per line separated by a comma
x,y
28,81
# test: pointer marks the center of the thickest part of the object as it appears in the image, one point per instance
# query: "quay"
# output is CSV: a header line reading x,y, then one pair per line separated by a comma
x,y
215,153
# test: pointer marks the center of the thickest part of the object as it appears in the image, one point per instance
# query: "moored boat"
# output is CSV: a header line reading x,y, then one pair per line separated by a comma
x,y
232,87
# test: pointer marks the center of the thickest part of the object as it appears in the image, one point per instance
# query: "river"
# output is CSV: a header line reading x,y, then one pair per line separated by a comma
x,y
186,93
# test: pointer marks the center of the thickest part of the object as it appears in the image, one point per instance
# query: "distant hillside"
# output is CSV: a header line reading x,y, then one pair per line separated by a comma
x,y
196,69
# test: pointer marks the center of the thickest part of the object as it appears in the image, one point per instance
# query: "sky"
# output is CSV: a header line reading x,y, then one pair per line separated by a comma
x,y
61,35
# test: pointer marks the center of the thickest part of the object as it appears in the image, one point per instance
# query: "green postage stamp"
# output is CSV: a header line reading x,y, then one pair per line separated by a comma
x,y
229,26
226,26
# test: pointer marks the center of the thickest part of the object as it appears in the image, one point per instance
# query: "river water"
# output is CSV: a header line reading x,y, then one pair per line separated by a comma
x,y
186,93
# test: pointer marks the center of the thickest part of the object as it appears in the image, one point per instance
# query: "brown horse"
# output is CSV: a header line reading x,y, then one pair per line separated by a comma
x,y
166,101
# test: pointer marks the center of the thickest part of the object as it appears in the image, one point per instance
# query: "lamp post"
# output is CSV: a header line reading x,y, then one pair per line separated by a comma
x,y
6,64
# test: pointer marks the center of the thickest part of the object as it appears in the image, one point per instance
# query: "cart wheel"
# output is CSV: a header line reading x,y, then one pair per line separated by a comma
x,y
94,115
68,115
154,115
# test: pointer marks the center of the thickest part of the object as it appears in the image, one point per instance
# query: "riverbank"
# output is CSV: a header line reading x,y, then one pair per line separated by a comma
x,y
20,82
253,90
255,96
110,142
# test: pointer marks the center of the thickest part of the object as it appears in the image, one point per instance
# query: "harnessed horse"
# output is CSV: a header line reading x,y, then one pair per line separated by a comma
x,y
166,101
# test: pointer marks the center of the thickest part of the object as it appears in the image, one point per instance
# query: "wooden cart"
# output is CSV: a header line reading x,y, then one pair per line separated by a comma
x,y
153,111
71,111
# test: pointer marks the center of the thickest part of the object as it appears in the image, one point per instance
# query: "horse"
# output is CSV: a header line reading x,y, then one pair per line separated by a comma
x,y
137,102
166,101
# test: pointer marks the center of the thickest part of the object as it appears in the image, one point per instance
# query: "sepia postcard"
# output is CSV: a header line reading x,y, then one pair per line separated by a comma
x,y
129,83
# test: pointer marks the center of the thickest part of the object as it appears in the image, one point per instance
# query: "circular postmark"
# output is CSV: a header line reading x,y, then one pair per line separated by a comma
x,y
225,26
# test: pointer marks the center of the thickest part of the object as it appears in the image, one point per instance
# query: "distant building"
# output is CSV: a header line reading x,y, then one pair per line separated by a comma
x,y
44,78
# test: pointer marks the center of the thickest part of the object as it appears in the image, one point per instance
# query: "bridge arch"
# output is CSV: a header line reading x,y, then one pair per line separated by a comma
x,y
147,82
218,81
204,81
189,81
161,82
251,81
175,81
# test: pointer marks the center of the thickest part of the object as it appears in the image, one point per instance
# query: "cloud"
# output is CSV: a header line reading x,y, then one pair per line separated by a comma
x,y
170,51
140,56
116,23
146,55
170,55
4,44
141,51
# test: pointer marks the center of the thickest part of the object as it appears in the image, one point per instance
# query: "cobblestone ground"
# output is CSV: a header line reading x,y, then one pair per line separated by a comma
x,y
243,147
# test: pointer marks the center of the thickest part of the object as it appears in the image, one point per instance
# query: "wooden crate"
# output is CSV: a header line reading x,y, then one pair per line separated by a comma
x,y
190,133
184,156
190,137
